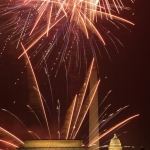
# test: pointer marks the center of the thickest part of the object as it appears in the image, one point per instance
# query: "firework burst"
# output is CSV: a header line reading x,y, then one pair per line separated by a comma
x,y
63,25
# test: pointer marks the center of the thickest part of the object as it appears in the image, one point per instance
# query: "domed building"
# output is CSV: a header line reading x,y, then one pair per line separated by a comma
x,y
115,143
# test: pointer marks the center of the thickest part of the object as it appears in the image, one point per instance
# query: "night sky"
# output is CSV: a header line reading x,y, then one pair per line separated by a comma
x,y
127,75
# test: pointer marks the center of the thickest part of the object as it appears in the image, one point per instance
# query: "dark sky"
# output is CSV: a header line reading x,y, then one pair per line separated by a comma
x,y
128,76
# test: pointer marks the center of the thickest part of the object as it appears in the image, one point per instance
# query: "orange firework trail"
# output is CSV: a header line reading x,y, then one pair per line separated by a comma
x,y
112,128
8,143
34,134
36,117
87,106
71,116
8,135
67,124
36,40
40,99
81,95
15,117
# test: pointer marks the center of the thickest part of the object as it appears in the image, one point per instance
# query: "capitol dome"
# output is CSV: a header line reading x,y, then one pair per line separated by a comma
x,y
115,143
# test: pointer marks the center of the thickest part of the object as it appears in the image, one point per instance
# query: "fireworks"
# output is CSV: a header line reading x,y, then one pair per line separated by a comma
x,y
74,119
8,136
42,24
39,27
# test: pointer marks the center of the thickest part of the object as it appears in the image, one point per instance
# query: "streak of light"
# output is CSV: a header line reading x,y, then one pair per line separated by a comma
x,y
8,143
58,110
6,133
49,81
15,117
71,116
111,116
88,104
94,30
82,93
37,39
118,18
31,132
102,115
36,117
41,102
111,129
44,102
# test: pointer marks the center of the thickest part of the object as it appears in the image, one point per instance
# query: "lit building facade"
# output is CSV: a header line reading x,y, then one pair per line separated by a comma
x,y
115,143
53,145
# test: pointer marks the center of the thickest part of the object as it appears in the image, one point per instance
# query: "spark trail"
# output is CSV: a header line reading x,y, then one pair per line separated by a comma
x,y
112,128
68,120
8,143
9,136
